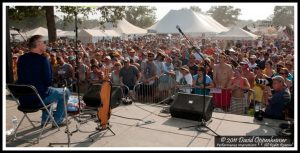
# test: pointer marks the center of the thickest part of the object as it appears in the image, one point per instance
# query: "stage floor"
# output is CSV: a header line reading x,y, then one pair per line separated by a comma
x,y
161,133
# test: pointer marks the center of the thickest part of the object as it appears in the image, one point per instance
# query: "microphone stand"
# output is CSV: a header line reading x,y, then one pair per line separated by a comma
x,y
21,35
203,120
18,30
77,62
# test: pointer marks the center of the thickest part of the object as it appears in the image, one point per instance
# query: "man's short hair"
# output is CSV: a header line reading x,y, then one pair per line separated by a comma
x,y
32,41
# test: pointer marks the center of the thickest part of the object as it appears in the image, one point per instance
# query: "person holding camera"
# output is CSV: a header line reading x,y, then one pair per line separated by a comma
x,y
280,99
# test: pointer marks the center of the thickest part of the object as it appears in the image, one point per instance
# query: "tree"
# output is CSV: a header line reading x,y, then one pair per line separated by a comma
x,y
225,15
108,14
141,16
20,12
196,9
283,16
29,23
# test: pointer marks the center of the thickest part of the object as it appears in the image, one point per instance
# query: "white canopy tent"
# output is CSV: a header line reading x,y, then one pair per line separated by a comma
x,y
189,21
38,31
15,36
112,33
93,35
124,28
236,33
68,34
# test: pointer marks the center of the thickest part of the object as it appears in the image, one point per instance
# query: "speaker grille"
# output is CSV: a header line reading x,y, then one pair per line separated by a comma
x,y
190,106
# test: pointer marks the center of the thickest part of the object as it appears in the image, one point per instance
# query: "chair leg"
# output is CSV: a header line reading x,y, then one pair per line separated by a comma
x,y
15,132
43,129
50,116
30,121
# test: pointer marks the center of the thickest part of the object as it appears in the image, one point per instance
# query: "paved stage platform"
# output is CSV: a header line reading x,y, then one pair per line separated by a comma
x,y
129,124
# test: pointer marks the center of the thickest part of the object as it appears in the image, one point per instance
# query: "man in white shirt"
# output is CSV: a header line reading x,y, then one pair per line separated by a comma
x,y
132,56
252,64
185,80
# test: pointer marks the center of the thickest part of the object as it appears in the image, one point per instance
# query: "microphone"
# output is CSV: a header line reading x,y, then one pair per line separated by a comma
x,y
17,29
177,26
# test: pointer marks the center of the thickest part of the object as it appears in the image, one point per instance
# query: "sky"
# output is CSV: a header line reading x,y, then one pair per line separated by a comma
x,y
249,11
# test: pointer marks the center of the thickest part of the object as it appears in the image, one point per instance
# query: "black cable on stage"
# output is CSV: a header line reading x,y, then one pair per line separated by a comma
x,y
127,117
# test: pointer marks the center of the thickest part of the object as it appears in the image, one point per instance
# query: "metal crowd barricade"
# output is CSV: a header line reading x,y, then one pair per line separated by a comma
x,y
162,89
224,102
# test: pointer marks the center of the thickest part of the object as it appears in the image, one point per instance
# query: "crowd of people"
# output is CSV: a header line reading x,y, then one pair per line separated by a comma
x,y
234,67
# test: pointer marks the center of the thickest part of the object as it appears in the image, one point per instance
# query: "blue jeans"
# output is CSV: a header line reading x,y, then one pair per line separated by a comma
x,y
56,95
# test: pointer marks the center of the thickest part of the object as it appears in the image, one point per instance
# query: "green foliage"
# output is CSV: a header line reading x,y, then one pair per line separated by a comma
x,y
141,16
283,15
28,23
225,15
20,12
107,13
196,9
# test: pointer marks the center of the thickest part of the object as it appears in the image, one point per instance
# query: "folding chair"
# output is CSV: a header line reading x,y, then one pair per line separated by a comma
x,y
32,105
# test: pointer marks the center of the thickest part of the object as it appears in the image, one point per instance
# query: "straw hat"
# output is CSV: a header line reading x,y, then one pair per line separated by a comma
x,y
289,57
131,51
107,57
253,56
185,68
150,53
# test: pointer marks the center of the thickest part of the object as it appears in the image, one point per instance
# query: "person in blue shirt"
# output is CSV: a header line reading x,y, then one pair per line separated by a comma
x,y
35,69
198,82
280,99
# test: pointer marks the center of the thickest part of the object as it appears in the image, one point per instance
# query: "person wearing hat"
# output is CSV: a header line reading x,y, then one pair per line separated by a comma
x,y
184,79
149,76
96,76
198,84
284,72
143,57
279,66
279,100
64,72
159,62
115,77
193,65
252,62
289,66
107,63
128,75
269,71
289,57
132,56
259,89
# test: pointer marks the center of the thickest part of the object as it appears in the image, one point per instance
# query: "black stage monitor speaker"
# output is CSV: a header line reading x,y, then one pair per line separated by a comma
x,y
190,106
92,97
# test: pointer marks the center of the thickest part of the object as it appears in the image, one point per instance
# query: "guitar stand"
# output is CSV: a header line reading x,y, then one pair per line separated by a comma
x,y
100,130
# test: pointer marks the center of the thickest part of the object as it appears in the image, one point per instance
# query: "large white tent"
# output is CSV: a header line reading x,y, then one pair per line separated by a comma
x,y
189,21
124,28
236,33
68,34
38,31
44,32
94,35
